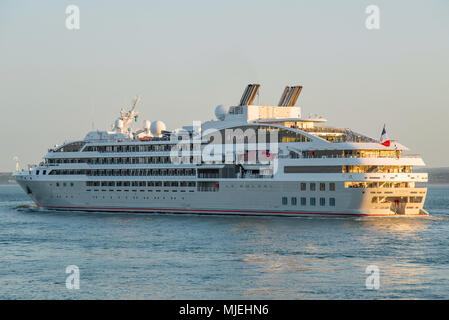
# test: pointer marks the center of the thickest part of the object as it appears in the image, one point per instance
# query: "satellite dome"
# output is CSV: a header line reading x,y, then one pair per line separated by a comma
x,y
157,127
220,112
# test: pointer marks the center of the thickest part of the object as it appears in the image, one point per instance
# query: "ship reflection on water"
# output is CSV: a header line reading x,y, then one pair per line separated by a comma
x,y
315,258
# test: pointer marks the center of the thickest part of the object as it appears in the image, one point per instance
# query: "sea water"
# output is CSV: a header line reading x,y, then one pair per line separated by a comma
x,y
160,256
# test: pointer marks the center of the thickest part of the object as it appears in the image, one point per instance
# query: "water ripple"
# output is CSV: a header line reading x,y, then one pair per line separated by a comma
x,y
153,256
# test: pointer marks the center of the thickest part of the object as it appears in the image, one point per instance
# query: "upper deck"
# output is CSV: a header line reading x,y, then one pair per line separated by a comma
x,y
299,141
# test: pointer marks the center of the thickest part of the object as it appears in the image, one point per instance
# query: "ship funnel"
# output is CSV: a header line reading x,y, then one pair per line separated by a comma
x,y
290,96
249,94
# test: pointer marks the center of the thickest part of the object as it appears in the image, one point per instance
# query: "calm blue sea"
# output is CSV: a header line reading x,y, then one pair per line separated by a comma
x,y
154,256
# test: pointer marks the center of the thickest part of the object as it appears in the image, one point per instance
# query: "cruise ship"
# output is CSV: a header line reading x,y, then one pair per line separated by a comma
x,y
251,160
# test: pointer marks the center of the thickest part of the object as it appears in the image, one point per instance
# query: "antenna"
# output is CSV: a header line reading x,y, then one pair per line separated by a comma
x,y
16,159
136,101
130,113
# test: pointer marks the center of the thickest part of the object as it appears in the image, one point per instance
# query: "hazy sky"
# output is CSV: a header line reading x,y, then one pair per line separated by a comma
x,y
186,57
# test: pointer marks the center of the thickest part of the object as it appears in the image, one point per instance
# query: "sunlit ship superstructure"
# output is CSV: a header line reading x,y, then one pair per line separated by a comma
x,y
252,160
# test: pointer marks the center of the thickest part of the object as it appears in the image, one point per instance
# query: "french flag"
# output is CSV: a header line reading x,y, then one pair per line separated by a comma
x,y
384,138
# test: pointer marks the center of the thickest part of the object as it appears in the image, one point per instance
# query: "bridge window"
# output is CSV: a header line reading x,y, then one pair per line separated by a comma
x,y
71,147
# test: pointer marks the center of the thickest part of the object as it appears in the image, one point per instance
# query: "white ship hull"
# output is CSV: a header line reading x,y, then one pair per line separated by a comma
x,y
257,197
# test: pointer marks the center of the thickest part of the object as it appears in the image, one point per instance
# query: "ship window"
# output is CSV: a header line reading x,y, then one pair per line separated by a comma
x,y
312,201
312,187
294,201
303,201
332,186
322,187
284,200
303,187
415,199
312,169
322,201
332,202
374,200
